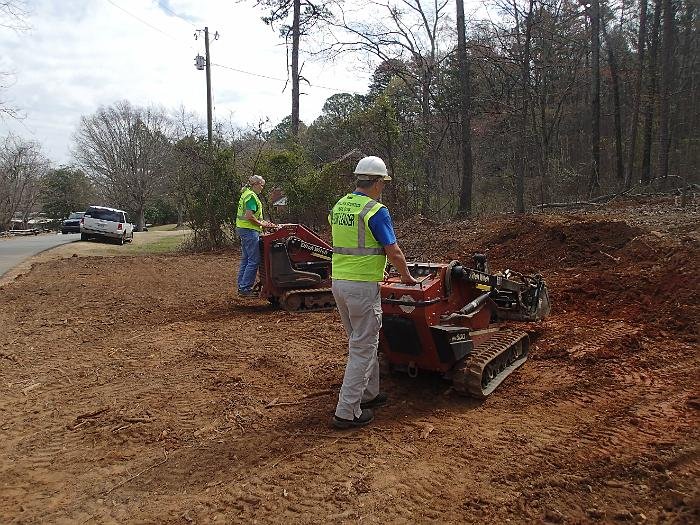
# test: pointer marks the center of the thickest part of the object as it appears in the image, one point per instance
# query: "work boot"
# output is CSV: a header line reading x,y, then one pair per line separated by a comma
x,y
379,401
246,293
366,417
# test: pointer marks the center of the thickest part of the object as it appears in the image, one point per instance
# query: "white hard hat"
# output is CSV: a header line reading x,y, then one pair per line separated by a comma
x,y
370,167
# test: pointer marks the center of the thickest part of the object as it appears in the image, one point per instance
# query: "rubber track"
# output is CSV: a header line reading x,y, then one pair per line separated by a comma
x,y
468,375
306,292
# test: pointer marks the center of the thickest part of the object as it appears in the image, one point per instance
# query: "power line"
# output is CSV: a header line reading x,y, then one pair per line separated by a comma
x,y
237,70
280,79
148,24
166,8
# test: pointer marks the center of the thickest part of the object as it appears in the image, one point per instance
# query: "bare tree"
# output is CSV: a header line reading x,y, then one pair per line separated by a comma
x,y
13,16
125,150
523,35
639,74
594,178
465,195
303,22
22,166
617,110
652,90
407,38
667,46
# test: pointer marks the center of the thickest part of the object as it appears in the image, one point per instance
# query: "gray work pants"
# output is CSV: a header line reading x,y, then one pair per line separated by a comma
x,y
360,307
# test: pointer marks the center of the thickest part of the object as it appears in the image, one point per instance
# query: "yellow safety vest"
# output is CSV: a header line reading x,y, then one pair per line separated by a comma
x,y
357,255
241,221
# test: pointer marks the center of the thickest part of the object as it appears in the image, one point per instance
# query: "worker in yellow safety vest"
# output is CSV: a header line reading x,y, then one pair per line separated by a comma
x,y
363,240
249,224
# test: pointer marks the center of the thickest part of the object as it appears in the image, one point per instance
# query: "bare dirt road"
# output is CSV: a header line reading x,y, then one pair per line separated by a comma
x,y
141,389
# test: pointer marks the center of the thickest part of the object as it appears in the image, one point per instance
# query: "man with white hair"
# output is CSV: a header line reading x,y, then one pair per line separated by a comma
x,y
363,239
249,224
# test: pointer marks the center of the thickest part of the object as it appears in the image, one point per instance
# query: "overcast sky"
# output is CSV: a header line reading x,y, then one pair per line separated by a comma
x,y
80,54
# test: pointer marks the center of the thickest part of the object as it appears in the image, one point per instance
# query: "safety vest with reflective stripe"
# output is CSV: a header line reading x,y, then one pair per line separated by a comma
x,y
241,221
357,255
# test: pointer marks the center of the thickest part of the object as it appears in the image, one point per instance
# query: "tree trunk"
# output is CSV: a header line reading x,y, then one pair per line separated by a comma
x,y
651,95
180,215
641,48
521,162
295,69
428,147
594,180
465,195
619,169
141,212
666,81
685,123
393,188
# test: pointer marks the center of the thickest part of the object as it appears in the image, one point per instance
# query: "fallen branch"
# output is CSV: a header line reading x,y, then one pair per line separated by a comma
x,y
92,414
135,476
616,259
304,399
77,425
29,388
566,204
320,393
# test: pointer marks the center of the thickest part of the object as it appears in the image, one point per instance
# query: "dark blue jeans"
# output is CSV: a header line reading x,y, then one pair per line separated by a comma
x,y
250,258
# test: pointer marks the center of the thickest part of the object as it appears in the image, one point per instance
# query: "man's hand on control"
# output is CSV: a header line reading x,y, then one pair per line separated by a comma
x,y
408,279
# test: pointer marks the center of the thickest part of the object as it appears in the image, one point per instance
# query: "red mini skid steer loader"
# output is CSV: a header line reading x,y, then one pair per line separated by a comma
x,y
448,323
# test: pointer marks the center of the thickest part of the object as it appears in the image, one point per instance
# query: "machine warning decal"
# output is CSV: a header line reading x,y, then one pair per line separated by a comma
x,y
404,307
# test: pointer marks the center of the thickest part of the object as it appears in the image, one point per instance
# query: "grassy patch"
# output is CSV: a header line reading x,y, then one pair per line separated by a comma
x,y
167,228
161,245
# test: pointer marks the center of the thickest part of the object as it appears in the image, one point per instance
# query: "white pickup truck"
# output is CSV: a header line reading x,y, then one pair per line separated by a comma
x,y
102,222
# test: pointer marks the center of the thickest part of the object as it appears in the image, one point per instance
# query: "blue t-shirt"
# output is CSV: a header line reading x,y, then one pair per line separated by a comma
x,y
381,226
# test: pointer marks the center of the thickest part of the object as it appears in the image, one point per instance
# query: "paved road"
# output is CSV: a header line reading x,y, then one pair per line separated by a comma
x,y
15,250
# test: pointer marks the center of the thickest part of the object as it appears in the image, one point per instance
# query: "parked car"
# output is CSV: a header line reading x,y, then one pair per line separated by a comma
x,y
72,223
106,223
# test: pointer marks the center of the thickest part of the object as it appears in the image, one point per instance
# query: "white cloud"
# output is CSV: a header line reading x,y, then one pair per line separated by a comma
x,y
81,54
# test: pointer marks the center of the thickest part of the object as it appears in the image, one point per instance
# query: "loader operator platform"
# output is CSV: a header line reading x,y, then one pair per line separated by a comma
x,y
363,239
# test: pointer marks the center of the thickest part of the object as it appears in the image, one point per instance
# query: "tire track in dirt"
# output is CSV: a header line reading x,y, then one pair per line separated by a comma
x,y
613,419
602,340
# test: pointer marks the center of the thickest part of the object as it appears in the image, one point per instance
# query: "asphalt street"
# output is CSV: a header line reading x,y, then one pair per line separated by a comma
x,y
15,250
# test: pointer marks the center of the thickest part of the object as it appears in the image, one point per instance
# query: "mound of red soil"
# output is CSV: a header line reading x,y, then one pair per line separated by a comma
x,y
604,267
550,246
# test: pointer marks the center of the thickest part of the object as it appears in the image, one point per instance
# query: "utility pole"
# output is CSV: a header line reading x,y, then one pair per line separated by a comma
x,y
207,66
208,58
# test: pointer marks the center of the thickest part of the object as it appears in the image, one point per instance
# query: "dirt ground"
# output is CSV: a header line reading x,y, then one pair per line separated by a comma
x,y
141,389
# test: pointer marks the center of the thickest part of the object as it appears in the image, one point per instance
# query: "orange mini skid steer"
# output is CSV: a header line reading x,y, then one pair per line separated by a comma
x,y
448,323
295,269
